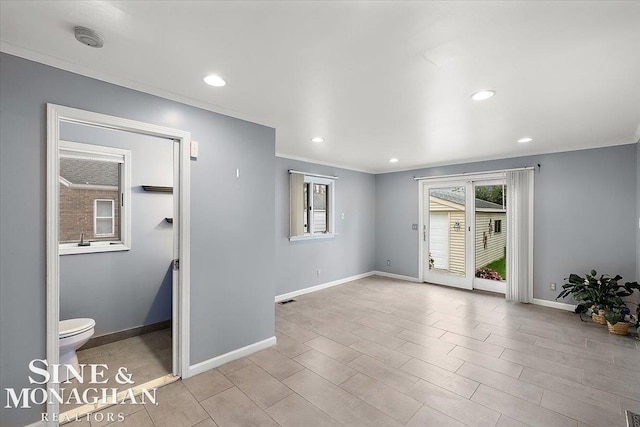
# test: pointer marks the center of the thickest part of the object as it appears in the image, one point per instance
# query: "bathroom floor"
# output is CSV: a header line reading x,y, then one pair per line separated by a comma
x,y
146,357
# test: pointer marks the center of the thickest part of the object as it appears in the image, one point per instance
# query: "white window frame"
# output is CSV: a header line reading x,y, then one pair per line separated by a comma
x,y
112,217
77,150
311,180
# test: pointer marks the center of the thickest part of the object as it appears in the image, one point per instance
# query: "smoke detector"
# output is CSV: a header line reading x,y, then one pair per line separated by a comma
x,y
89,37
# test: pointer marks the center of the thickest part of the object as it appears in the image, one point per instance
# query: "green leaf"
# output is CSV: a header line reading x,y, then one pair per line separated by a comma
x,y
581,308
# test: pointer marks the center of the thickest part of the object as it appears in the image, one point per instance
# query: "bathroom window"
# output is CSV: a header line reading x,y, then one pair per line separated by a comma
x,y
312,206
95,194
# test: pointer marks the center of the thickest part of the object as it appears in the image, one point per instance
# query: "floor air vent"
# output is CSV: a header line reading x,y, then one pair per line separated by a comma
x,y
633,419
287,301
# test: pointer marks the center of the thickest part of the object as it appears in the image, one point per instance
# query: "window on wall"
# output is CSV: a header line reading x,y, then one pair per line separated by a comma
x,y
498,226
94,194
104,218
312,206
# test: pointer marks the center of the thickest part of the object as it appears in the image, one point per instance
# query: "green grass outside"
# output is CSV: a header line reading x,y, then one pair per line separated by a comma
x,y
500,266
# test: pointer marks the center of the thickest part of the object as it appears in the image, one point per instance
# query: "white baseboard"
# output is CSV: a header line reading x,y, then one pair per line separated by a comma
x,y
201,367
396,276
554,304
322,286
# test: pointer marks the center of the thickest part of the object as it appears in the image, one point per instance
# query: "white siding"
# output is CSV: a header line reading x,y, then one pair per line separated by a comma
x,y
496,242
457,243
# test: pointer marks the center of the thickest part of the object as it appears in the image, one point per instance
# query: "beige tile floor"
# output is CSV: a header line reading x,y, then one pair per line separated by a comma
x,y
146,357
383,352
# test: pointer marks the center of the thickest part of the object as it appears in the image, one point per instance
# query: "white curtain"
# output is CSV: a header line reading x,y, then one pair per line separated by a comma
x,y
520,235
296,193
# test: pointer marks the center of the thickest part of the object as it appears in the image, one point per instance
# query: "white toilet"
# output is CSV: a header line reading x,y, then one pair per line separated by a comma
x,y
73,333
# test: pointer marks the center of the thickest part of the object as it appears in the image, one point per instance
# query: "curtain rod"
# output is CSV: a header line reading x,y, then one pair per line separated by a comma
x,y
313,174
463,174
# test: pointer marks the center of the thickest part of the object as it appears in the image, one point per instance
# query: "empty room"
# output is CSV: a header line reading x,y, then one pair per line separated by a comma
x,y
319,213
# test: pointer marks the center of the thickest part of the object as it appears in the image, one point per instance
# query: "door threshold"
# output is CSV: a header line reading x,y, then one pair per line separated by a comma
x,y
82,411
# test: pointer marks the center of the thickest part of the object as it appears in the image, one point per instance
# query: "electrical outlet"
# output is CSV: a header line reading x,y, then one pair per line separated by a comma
x,y
318,272
342,216
388,263
552,286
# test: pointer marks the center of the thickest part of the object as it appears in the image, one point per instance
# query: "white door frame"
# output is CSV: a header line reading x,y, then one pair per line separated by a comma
x,y
181,185
467,181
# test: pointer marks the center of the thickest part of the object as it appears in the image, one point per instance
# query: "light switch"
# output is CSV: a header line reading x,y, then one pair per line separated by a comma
x,y
194,149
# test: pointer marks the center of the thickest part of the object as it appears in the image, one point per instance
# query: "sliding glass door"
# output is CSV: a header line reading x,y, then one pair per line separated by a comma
x,y
463,241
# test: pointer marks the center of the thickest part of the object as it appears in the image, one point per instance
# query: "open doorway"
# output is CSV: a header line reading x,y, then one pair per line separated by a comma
x,y
123,294
117,249
490,237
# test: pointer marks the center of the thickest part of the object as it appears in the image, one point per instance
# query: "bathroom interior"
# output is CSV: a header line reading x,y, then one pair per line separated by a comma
x,y
116,246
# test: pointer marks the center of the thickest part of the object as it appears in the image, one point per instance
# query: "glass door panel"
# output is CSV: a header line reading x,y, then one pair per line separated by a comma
x,y
490,245
445,234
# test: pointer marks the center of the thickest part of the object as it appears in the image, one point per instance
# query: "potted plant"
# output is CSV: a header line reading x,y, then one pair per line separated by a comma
x,y
619,317
597,294
589,292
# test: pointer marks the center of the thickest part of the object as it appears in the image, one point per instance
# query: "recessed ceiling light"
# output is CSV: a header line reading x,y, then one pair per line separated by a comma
x,y
525,140
482,95
393,160
317,139
213,80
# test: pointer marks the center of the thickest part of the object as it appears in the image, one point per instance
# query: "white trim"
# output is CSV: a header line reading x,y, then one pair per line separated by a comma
x,y
395,276
422,232
310,289
554,304
313,236
57,114
323,163
182,208
88,186
126,83
52,251
207,365
496,286
331,177
94,248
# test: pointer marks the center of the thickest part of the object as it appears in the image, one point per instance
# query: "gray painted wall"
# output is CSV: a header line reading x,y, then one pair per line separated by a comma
x,y
124,290
348,254
584,209
638,210
232,278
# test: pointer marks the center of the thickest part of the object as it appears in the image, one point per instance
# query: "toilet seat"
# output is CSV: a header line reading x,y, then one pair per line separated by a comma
x,y
71,327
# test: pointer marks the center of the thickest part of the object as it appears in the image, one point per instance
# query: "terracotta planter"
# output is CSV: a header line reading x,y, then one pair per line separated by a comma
x,y
620,328
599,318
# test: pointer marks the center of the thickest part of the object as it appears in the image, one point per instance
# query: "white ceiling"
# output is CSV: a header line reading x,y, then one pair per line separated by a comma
x,y
375,79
